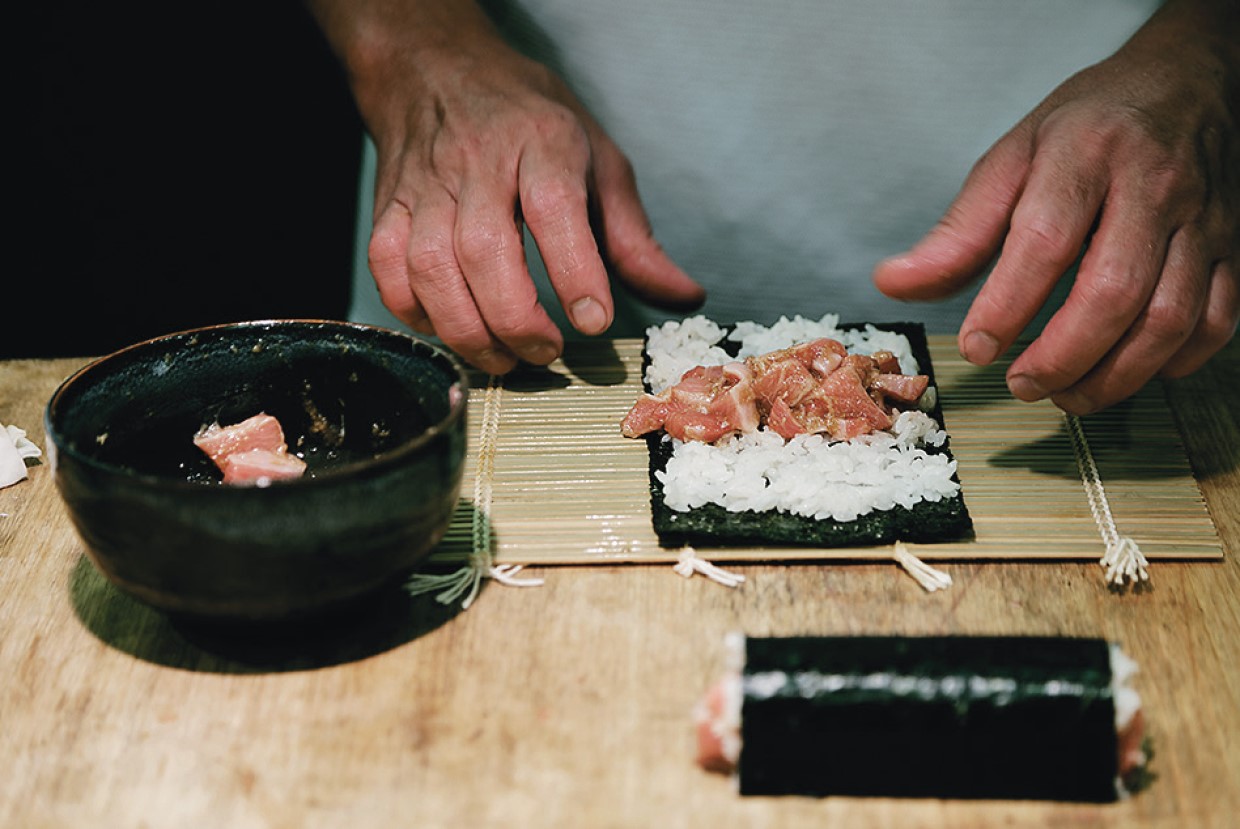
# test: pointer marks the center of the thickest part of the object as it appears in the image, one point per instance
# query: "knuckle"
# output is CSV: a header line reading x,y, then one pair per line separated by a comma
x,y
1172,188
1216,329
480,244
1218,234
1110,291
398,297
560,124
1169,320
430,258
1050,236
514,322
400,302
1052,365
618,167
469,339
464,340
552,197
1194,241
385,250
384,253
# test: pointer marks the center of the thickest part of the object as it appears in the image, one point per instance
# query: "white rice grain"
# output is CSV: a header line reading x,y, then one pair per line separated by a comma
x,y
677,346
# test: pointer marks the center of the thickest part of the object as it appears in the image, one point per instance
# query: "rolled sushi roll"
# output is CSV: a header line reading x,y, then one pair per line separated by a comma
x,y
1026,718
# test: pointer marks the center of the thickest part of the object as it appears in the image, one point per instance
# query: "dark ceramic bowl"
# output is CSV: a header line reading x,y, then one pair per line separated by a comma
x,y
379,418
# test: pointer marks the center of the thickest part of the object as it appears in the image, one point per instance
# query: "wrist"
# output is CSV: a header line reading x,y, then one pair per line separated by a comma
x,y
395,51
1213,25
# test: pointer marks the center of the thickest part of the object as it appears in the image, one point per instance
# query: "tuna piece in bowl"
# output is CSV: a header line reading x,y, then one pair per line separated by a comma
x,y
377,417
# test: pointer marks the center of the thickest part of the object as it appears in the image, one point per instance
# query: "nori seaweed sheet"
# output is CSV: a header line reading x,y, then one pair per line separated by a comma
x,y
1025,718
713,525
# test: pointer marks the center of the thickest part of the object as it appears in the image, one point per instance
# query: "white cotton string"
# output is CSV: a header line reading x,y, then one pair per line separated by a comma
x,y
688,563
1123,559
925,575
467,580
505,574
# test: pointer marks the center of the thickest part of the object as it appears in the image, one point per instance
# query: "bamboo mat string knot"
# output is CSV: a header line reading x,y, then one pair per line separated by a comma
x,y
688,563
925,575
1123,559
467,580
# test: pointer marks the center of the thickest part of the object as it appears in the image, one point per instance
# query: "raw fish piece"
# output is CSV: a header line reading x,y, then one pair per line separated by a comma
x,y
262,431
250,452
810,388
255,465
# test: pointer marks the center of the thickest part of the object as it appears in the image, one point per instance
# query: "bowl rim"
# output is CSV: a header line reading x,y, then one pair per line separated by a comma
x,y
456,409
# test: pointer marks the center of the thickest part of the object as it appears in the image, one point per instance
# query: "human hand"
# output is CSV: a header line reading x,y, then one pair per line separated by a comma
x,y
1136,161
473,141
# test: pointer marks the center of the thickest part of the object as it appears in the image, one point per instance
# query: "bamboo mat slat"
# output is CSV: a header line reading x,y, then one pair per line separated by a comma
x,y
567,488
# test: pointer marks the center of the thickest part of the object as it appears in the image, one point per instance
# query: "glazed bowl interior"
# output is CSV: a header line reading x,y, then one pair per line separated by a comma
x,y
377,416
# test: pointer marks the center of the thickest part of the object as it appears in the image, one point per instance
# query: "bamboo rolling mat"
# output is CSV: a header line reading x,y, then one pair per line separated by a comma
x,y
555,483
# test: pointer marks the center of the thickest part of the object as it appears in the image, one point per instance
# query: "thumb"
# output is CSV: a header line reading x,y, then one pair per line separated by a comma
x,y
968,236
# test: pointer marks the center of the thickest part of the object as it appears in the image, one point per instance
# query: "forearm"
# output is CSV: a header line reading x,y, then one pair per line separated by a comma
x,y
1213,25
394,49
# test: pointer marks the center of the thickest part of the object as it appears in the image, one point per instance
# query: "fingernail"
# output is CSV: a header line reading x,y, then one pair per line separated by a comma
x,y
1026,388
588,316
540,354
980,348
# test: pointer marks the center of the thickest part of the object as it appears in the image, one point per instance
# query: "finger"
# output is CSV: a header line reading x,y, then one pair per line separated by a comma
x,y
1217,324
489,248
629,244
967,237
1160,330
437,281
386,254
1049,226
554,203
1114,283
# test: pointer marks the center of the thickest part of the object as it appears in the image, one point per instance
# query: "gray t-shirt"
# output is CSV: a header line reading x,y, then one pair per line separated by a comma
x,y
783,148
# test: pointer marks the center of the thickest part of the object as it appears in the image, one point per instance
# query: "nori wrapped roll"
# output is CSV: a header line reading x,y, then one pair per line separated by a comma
x,y
1030,718
927,521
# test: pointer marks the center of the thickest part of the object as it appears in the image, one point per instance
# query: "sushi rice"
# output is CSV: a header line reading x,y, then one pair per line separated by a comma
x,y
807,475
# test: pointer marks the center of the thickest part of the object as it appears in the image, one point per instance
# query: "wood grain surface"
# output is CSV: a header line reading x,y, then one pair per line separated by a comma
x,y
563,705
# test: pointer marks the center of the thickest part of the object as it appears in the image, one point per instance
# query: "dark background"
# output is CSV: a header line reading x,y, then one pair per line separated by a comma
x,y
176,166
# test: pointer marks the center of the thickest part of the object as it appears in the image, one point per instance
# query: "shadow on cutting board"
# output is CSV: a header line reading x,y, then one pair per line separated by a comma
x,y
1135,439
383,622
375,624
1124,443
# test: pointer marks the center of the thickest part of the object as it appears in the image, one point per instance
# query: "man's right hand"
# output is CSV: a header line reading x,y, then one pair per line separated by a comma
x,y
473,141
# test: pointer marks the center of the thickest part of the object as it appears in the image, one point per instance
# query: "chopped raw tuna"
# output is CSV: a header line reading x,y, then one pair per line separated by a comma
x,y
256,464
1132,756
262,431
815,387
718,726
250,452
902,387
